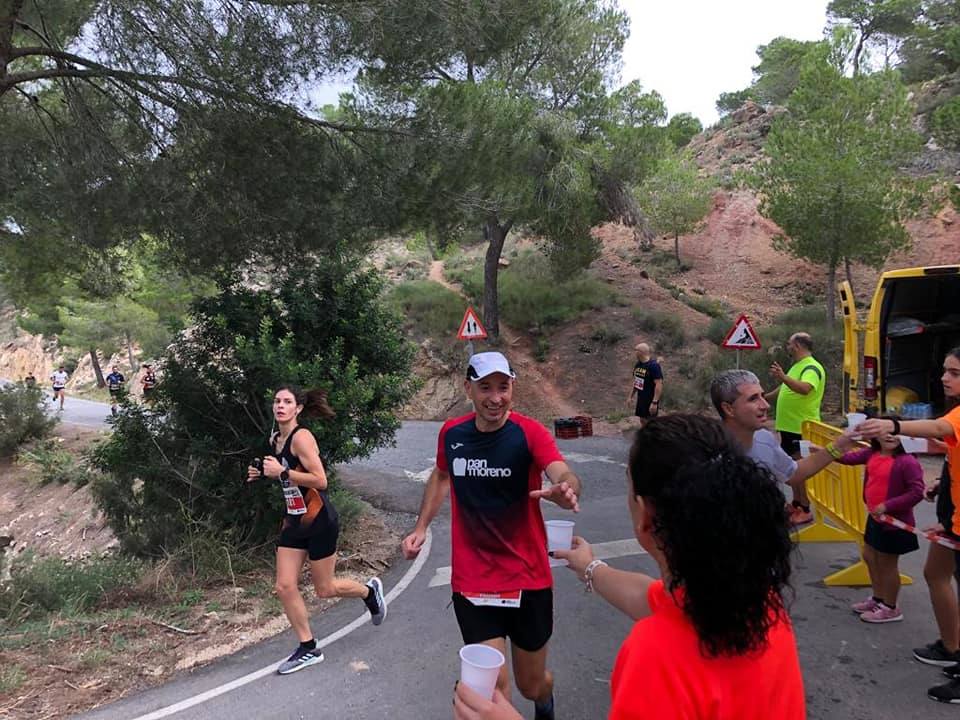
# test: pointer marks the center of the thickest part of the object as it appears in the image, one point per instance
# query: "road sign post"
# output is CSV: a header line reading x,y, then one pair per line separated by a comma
x,y
742,336
471,329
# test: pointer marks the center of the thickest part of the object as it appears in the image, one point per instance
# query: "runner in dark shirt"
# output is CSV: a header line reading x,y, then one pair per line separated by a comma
x,y
115,382
491,463
647,383
310,525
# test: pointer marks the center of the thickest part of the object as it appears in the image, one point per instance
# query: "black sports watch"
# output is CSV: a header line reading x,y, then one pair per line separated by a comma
x,y
284,475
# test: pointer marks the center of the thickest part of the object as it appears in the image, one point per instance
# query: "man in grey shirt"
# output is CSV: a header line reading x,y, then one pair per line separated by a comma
x,y
738,397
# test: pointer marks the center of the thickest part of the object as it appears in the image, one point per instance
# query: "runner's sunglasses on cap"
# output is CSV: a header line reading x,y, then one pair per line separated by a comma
x,y
488,363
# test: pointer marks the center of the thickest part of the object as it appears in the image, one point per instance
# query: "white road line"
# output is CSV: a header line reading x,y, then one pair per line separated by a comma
x,y
601,551
272,667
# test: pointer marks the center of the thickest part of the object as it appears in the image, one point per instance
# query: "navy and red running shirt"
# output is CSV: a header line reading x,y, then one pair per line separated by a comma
x,y
499,542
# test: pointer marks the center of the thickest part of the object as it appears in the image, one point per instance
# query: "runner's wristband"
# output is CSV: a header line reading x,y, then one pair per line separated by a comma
x,y
835,453
896,426
588,574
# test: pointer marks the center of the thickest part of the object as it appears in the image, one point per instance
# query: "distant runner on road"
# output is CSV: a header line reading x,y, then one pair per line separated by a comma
x,y
491,462
115,382
148,382
59,380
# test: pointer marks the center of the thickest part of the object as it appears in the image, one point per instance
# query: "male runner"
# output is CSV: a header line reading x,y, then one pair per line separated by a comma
x,y
492,461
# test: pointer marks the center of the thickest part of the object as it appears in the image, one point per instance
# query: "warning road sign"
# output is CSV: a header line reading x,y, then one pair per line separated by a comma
x,y
742,336
470,327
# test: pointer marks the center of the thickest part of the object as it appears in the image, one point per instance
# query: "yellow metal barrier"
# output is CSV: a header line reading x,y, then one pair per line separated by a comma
x,y
836,493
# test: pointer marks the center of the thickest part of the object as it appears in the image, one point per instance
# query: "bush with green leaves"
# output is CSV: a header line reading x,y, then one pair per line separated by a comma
x,y
428,305
53,584
22,417
531,295
182,462
52,463
666,331
945,124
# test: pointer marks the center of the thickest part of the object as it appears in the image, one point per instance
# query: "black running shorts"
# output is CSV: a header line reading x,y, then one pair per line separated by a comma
x,y
319,545
529,626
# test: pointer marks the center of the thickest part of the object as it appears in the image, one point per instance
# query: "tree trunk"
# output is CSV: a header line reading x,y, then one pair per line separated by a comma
x,y
97,370
9,13
831,292
676,247
133,361
846,267
495,235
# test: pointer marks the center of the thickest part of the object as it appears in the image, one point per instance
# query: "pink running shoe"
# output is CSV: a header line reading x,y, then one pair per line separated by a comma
x,y
863,606
882,614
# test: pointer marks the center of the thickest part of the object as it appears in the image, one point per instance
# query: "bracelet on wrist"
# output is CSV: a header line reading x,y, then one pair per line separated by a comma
x,y
896,426
588,574
834,451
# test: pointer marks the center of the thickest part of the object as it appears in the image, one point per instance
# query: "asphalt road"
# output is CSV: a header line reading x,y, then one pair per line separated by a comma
x,y
86,413
405,669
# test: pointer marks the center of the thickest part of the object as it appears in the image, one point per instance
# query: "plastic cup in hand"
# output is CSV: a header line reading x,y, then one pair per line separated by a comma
x,y
854,419
805,448
559,537
479,667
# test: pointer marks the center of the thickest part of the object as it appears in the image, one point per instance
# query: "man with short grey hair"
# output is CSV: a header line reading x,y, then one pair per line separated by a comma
x,y
738,398
647,383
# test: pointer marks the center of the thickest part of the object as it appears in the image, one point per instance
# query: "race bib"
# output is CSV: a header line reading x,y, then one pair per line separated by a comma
x,y
638,383
294,499
509,599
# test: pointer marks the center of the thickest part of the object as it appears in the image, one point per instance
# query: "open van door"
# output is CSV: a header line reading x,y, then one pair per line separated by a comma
x,y
851,349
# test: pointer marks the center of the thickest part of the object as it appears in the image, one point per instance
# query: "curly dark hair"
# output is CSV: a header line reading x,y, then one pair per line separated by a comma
x,y
719,520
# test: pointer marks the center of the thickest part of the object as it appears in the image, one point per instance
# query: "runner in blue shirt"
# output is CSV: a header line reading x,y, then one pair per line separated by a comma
x,y
115,382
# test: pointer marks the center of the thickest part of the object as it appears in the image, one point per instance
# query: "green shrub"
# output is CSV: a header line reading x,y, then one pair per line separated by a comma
x,y
181,463
606,335
430,306
945,124
54,585
706,305
718,328
666,330
54,464
541,349
22,417
530,295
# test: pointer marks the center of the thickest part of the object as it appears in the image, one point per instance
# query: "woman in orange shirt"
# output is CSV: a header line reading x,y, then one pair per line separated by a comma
x,y
941,562
712,637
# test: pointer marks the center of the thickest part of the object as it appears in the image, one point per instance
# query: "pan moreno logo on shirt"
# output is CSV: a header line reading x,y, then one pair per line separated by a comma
x,y
477,467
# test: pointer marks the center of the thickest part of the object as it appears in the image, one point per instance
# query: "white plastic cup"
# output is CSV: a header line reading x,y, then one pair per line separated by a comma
x,y
912,444
805,448
559,537
854,419
479,667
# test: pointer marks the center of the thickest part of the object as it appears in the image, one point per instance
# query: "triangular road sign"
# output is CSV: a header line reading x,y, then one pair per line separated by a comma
x,y
470,327
742,336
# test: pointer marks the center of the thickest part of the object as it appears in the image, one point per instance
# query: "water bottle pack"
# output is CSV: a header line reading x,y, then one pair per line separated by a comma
x,y
916,411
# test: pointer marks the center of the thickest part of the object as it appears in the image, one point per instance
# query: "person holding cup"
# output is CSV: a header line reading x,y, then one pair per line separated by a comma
x,y
491,463
712,637
942,562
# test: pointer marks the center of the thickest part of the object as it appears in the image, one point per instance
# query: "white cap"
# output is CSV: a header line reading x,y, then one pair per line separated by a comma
x,y
487,363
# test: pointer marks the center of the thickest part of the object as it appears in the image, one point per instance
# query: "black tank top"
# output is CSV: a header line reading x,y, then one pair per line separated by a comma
x,y
307,510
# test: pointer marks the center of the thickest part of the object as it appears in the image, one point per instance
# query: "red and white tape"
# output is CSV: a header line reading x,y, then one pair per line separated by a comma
x,y
929,535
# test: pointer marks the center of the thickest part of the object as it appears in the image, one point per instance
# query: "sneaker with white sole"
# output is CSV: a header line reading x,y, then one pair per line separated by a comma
x,y
949,693
936,654
301,658
865,605
376,603
882,614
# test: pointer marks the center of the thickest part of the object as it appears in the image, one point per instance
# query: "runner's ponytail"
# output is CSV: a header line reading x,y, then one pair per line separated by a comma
x,y
315,403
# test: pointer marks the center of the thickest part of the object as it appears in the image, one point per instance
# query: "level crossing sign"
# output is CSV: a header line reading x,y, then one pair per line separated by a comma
x,y
470,327
742,336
